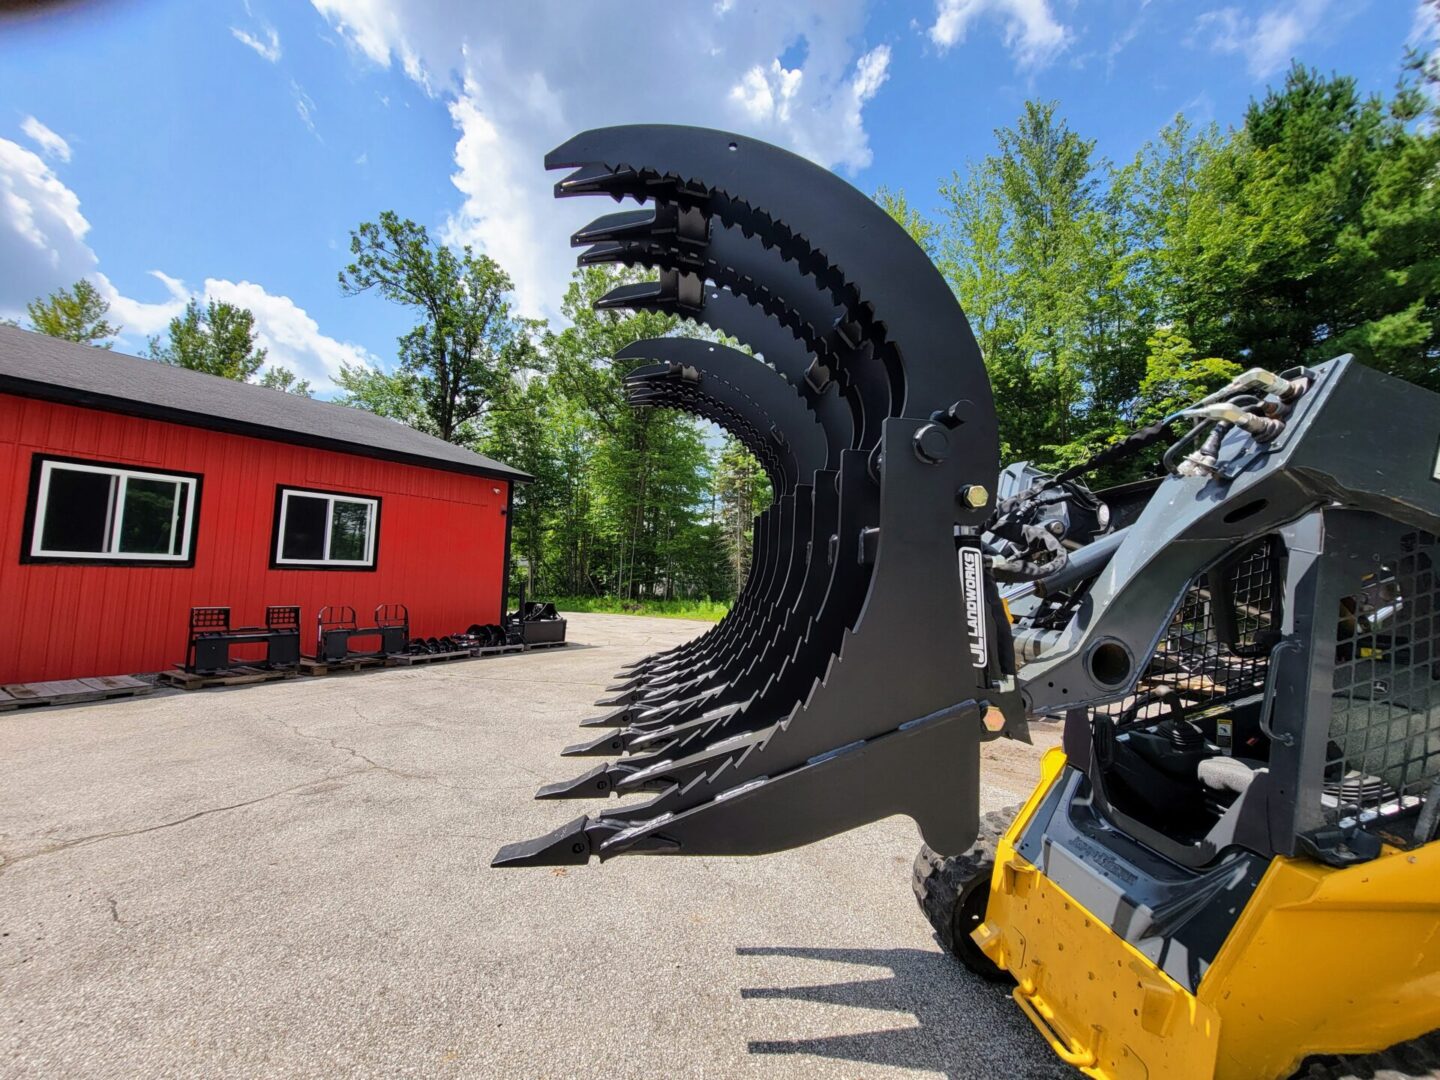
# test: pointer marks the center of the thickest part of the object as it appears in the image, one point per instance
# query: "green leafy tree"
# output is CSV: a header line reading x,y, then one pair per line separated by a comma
x,y
523,435
219,339
467,344
1316,231
632,521
397,395
743,491
1176,377
1035,248
75,314
280,378
921,229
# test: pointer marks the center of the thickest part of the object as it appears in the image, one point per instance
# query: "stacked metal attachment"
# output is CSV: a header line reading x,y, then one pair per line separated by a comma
x,y
853,678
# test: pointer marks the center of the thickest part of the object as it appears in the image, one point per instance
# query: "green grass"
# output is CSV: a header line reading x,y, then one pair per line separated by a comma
x,y
705,610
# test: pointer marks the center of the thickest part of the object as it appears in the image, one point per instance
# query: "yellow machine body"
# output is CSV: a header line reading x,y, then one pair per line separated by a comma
x,y
1321,960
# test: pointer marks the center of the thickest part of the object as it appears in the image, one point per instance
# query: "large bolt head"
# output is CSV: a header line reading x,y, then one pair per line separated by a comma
x,y
974,496
932,444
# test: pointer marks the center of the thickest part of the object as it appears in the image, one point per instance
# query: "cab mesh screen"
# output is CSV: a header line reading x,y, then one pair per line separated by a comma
x,y
1383,753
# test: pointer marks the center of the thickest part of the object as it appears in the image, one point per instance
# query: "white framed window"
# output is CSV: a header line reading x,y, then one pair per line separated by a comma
x,y
91,511
325,529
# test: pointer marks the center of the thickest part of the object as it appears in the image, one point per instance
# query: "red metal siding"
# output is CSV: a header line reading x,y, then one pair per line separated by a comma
x,y
440,548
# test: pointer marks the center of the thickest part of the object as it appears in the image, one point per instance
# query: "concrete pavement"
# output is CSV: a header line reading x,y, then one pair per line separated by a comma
x,y
292,879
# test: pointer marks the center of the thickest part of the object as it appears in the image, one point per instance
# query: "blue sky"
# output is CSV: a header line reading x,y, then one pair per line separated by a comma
x,y
166,149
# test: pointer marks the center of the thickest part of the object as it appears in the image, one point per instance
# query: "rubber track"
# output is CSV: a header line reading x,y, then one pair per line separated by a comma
x,y
1417,1057
937,879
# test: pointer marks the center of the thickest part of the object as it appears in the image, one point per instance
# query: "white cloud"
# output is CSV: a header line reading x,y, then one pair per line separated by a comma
x,y
43,248
266,43
140,319
1425,27
772,101
42,231
291,336
51,144
1425,37
304,107
1268,40
513,94
1032,33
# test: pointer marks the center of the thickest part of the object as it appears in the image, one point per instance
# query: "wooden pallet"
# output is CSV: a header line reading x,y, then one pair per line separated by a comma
x,y
70,691
410,659
495,650
545,645
240,676
330,667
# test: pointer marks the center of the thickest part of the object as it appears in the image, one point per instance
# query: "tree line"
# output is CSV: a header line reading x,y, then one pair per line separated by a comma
x,y
1106,295
218,338
1103,295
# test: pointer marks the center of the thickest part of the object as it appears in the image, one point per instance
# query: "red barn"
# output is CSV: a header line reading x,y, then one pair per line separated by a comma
x,y
139,490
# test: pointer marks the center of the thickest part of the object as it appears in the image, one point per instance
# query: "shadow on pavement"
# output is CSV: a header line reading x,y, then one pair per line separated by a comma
x,y
964,1026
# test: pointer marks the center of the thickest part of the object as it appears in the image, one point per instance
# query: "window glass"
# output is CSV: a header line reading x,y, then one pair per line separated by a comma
x,y
85,511
349,528
321,529
304,539
78,507
150,522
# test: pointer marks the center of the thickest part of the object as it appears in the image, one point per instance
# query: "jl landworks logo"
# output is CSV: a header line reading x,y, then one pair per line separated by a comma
x,y
972,583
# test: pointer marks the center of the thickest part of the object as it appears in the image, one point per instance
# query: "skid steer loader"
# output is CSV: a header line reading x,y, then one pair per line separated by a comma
x,y
1231,863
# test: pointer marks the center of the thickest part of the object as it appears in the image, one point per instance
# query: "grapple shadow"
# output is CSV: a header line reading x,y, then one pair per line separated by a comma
x,y
964,1027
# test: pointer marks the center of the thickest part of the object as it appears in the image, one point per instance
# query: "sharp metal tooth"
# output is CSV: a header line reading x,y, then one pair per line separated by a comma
x,y
709,761
598,783
607,253
626,225
604,746
676,292
711,719
665,226
627,698
597,178
622,718
573,843
568,845
629,685
649,293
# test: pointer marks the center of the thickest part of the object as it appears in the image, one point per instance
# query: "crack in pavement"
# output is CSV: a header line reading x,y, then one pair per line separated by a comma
x,y
95,838
334,744
370,765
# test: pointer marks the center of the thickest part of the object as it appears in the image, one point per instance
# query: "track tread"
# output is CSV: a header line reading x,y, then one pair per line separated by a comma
x,y
939,882
1414,1058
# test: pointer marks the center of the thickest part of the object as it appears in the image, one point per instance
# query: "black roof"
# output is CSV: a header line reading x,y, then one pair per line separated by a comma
x,y
33,365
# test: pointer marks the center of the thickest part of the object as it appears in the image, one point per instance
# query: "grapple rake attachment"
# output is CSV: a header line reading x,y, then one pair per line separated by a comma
x,y
853,677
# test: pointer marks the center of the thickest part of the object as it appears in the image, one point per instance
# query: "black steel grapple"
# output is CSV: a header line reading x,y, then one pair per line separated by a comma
x,y
853,678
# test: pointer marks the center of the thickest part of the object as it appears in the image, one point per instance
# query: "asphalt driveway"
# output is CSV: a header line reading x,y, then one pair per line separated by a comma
x,y
293,879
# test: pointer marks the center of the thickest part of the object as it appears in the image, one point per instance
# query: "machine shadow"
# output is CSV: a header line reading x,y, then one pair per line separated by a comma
x,y
965,1027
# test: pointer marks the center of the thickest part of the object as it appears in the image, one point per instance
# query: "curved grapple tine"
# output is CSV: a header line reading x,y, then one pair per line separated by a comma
x,y
742,395
769,401
877,708
833,232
